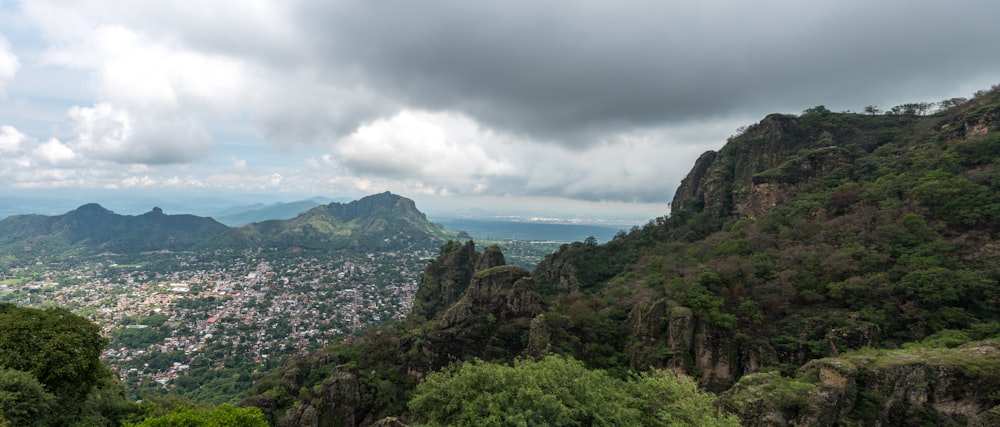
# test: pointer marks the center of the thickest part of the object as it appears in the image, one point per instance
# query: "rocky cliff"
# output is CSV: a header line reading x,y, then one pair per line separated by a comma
x,y
916,386
760,168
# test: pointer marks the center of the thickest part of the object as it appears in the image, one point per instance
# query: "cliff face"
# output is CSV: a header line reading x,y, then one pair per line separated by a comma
x,y
445,279
667,335
761,168
888,388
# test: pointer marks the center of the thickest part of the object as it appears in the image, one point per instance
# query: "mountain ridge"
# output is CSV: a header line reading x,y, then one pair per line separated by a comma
x,y
377,221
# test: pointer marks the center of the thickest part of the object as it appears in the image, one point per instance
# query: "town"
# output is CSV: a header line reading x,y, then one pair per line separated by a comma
x,y
209,325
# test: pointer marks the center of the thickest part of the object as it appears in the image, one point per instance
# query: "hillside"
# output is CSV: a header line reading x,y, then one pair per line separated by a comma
x,y
92,229
806,237
381,221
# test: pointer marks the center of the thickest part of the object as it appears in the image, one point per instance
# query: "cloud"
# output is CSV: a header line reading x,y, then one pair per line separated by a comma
x,y
9,64
10,140
54,153
575,75
587,100
440,149
108,133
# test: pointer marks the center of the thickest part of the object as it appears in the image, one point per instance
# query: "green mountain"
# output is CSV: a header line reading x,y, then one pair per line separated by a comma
x,y
819,269
381,221
91,229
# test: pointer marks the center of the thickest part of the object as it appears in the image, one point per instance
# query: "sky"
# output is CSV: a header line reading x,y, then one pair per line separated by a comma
x,y
564,108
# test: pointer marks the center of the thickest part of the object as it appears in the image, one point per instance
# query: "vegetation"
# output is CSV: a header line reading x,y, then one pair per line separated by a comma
x,y
558,391
221,416
51,372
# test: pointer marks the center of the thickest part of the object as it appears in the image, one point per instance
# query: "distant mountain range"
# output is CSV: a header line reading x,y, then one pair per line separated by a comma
x,y
239,216
381,221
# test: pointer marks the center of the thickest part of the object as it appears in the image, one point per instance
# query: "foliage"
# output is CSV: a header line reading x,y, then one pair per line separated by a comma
x,y
59,348
23,400
558,391
51,372
221,416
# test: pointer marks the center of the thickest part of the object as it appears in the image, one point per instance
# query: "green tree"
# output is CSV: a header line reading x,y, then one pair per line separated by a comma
x,y
62,352
557,391
23,400
59,348
222,416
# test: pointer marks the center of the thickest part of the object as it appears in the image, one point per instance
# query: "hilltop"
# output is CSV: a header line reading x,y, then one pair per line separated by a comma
x,y
803,243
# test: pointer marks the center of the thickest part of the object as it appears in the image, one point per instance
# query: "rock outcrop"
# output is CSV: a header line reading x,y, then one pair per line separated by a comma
x,y
757,170
445,279
916,386
666,335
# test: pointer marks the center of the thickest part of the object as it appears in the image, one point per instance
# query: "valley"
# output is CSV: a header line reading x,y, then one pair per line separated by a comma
x,y
206,326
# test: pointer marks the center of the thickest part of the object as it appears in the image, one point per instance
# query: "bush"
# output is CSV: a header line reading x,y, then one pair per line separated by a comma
x,y
558,391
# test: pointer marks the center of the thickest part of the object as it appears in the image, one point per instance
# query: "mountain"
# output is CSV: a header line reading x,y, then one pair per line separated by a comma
x,y
92,229
379,221
819,269
243,215
382,221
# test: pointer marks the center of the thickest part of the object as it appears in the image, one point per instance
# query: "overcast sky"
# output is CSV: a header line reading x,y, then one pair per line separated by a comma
x,y
564,107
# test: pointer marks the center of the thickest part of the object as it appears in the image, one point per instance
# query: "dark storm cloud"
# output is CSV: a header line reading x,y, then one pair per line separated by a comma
x,y
573,71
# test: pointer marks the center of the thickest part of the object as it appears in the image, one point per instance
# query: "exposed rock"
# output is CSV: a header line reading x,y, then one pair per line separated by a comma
x,y
491,257
390,422
491,318
559,271
300,416
341,396
445,279
539,338
503,292
757,170
680,337
900,387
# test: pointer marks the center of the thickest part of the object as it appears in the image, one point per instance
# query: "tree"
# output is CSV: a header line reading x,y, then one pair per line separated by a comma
x,y
818,110
222,416
62,350
557,391
911,109
872,110
23,400
952,103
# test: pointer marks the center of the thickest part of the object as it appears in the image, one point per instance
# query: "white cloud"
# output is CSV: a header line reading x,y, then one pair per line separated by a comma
x,y
107,132
54,153
10,140
444,150
9,64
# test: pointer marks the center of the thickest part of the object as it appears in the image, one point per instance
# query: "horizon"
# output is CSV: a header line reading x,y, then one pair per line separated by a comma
x,y
211,205
460,107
